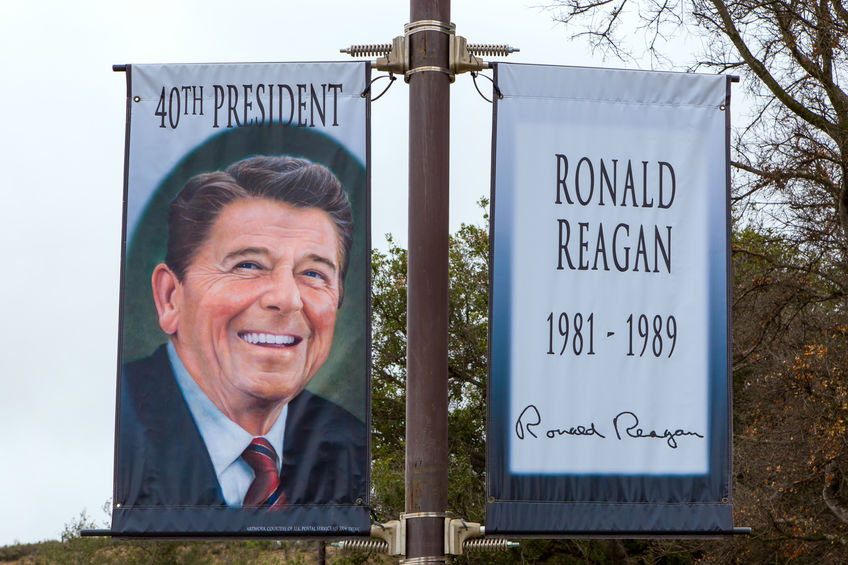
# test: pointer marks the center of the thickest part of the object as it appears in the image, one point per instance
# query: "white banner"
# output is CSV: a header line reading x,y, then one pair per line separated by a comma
x,y
610,250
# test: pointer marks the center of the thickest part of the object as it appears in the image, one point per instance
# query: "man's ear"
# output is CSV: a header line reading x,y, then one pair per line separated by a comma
x,y
165,296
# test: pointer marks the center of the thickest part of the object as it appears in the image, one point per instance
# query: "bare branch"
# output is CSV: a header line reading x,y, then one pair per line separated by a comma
x,y
757,67
840,11
830,492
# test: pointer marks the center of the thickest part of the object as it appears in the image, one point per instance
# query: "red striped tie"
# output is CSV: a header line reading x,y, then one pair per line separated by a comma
x,y
265,489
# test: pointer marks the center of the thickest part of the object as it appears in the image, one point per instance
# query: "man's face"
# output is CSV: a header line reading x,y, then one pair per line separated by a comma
x,y
256,309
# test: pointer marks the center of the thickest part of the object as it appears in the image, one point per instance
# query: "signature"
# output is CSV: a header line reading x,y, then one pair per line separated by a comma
x,y
531,418
634,431
625,424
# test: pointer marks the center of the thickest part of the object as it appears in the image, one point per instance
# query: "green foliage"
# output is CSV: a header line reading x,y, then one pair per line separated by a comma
x,y
74,528
388,379
467,369
76,550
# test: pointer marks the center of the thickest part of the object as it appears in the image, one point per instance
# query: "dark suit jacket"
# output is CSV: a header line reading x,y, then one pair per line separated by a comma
x,y
162,460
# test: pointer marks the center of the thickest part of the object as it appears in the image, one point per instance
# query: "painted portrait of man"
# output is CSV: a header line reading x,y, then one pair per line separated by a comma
x,y
248,293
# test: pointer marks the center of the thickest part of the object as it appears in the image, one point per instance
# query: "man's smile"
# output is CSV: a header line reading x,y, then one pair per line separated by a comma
x,y
269,339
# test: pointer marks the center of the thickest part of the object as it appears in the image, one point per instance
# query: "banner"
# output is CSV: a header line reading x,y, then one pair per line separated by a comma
x,y
243,362
609,399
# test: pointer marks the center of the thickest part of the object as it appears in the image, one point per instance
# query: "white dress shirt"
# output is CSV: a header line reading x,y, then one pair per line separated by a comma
x,y
225,440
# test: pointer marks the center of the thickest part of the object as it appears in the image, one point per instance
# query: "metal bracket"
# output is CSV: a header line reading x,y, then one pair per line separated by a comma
x,y
461,59
385,538
396,59
461,56
457,531
464,537
393,533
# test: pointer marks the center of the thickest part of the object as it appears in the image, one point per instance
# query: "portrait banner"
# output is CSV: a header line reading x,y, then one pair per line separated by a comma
x,y
609,389
243,391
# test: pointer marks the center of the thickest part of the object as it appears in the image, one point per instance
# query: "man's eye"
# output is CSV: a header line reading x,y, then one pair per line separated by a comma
x,y
315,274
248,265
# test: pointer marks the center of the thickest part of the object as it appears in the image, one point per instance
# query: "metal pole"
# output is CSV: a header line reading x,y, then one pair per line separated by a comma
x,y
427,306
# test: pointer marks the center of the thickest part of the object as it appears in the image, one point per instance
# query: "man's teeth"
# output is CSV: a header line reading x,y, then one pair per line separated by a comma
x,y
255,338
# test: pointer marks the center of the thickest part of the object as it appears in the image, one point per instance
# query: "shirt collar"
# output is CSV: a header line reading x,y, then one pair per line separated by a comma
x,y
225,440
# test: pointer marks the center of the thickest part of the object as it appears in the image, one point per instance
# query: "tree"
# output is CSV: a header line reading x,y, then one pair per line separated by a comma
x,y
467,369
790,363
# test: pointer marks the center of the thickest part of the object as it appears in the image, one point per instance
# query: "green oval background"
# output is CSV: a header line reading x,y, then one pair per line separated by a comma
x,y
343,378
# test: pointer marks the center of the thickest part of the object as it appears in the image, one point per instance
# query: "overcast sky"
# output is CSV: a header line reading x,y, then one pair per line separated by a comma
x,y
62,113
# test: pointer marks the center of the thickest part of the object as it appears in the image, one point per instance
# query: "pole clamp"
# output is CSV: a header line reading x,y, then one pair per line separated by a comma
x,y
461,56
390,538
